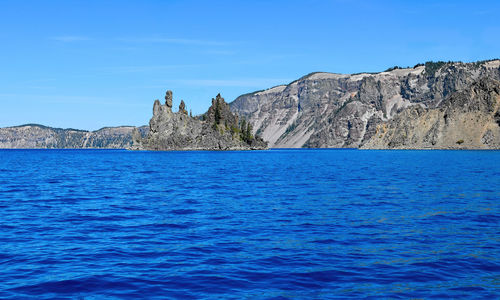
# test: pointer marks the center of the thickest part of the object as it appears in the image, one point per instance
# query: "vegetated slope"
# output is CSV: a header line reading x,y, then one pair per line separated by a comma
x,y
325,110
34,136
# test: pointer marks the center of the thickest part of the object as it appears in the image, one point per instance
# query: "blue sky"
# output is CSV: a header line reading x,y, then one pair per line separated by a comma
x,y
90,64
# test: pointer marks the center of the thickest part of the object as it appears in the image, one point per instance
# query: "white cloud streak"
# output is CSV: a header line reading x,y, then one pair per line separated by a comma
x,y
219,52
249,82
70,38
154,40
138,69
63,99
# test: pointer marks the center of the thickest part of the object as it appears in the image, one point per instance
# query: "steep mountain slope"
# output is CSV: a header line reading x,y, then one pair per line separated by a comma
x,y
337,110
466,119
34,136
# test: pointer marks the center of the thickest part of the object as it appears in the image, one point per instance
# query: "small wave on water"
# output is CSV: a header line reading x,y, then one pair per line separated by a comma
x,y
278,224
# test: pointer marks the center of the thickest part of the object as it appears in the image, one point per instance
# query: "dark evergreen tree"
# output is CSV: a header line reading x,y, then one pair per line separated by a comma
x,y
217,112
217,115
243,128
249,133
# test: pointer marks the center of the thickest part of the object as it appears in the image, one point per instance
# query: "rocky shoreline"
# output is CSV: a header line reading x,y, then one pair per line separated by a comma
x,y
35,136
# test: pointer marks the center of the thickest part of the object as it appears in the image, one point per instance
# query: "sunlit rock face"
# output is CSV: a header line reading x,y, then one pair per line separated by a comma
x,y
467,119
326,110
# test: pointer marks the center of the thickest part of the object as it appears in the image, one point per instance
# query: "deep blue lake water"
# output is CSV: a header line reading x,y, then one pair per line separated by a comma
x,y
277,224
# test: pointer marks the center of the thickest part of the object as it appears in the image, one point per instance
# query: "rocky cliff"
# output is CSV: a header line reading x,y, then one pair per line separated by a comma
x,y
34,136
217,129
325,110
467,119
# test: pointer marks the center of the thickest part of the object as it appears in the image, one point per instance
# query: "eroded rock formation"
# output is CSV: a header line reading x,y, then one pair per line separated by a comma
x,y
217,129
468,119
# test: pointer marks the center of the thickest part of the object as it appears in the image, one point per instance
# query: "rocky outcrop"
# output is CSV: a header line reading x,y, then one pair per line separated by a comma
x,y
217,129
325,110
468,119
34,136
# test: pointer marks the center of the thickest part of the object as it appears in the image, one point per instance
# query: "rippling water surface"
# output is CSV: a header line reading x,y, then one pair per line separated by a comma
x,y
282,224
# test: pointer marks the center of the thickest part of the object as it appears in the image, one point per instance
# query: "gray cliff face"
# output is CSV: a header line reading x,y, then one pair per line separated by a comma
x,y
218,129
468,119
35,136
325,110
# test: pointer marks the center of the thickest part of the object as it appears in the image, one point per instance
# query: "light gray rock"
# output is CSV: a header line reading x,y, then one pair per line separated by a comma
x,y
182,108
328,110
168,100
466,119
34,136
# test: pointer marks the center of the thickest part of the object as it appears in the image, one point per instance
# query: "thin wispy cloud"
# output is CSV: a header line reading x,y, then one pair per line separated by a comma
x,y
243,83
35,84
483,12
139,69
66,99
219,52
70,38
39,87
248,82
179,41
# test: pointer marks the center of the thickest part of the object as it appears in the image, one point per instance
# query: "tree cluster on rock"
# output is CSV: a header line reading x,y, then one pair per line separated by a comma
x,y
217,129
246,131
219,115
